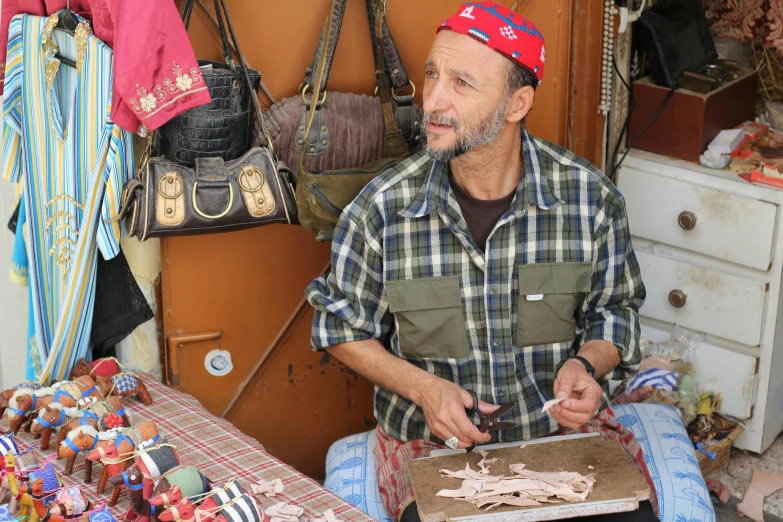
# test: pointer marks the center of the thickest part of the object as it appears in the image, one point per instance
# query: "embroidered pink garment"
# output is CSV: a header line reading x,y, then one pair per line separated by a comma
x,y
747,20
156,76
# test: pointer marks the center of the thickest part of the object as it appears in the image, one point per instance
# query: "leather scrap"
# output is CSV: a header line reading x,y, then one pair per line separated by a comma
x,y
284,512
270,488
548,404
761,486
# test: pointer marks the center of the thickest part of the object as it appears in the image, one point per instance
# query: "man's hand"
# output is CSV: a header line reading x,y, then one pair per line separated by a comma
x,y
444,405
582,393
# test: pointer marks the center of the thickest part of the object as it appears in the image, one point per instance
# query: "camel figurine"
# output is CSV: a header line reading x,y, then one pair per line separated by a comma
x,y
174,496
115,462
126,441
125,384
186,479
25,400
155,459
241,509
106,367
6,395
56,416
25,500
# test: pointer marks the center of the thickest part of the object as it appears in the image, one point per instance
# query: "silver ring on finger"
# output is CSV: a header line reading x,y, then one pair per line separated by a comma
x,y
452,442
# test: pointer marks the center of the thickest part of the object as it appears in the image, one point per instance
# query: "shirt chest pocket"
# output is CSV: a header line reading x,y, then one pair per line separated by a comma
x,y
549,294
430,321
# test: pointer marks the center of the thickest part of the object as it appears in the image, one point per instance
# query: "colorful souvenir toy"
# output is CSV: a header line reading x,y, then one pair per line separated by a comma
x,y
69,503
55,415
125,384
240,509
116,457
98,515
6,395
26,400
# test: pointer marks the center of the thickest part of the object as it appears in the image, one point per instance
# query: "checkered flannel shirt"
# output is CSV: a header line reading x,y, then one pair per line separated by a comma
x,y
407,224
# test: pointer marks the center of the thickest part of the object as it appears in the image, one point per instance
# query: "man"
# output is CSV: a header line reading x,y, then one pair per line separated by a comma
x,y
484,263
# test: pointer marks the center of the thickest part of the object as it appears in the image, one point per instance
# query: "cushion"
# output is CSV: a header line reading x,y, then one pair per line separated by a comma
x,y
671,461
351,474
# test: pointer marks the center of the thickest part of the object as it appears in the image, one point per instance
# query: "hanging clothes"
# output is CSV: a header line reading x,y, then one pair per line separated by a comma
x,y
156,75
60,141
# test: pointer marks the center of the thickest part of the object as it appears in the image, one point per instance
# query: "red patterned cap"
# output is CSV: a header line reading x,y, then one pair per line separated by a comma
x,y
505,31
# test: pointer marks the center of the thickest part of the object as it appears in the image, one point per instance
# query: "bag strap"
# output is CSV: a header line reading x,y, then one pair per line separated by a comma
x,y
393,63
394,67
187,12
395,141
259,113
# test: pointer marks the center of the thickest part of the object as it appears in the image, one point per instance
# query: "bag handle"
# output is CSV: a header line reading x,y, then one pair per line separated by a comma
x,y
394,67
259,113
187,12
395,141
393,63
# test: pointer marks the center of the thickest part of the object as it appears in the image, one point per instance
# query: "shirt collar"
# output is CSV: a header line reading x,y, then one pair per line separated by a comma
x,y
533,188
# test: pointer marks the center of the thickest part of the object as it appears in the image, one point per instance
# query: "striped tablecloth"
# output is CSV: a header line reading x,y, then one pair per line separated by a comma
x,y
217,448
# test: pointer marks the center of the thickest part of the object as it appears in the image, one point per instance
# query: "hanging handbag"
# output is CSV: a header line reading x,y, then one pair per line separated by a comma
x,y
341,141
222,128
170,199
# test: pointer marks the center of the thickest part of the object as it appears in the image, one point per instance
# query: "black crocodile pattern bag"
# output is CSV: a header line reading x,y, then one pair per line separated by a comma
x,y
221,128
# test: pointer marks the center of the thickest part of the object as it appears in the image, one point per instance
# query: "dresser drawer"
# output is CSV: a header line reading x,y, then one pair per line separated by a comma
x,y
718,224
702,299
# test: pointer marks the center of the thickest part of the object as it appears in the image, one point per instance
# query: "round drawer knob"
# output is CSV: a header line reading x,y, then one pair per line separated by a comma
x,y
677,298
687,220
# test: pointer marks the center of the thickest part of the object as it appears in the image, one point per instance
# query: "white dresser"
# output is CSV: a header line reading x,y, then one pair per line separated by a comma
x,y
711,255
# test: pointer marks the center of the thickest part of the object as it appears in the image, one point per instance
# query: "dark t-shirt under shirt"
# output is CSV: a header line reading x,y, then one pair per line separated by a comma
x,y
481,215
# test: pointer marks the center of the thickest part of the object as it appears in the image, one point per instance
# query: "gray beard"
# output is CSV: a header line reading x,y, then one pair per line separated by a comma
x,y
486,131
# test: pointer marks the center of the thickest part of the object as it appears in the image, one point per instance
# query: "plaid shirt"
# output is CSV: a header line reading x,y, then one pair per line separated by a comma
x,y
407,225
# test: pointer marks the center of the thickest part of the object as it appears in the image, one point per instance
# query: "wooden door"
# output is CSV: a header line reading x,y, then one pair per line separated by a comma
x,y
242,291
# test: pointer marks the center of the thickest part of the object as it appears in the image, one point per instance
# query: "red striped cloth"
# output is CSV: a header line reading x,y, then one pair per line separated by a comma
x,y
392,456
217,448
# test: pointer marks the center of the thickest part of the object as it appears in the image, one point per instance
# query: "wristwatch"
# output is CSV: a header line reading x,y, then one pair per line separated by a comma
x,y
589,367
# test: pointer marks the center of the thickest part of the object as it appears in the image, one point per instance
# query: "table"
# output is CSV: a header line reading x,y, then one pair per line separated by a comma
x,y
216,447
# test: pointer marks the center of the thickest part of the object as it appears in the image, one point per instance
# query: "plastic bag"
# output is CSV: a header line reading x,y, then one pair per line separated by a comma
x,y
679,347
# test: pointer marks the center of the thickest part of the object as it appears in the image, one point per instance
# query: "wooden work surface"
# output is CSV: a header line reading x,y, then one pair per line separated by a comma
x,y
619,485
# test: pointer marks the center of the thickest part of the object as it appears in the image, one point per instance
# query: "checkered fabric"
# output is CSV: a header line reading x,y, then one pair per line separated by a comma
x,y
407,225
392,457
217,448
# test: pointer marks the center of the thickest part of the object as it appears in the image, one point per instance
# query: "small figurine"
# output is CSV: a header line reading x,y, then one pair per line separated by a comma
x,y
241,509
106,367
125,384
56,416
26,400
6,395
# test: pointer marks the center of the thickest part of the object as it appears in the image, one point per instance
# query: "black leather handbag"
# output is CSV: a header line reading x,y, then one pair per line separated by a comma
x,y
167,198
222,128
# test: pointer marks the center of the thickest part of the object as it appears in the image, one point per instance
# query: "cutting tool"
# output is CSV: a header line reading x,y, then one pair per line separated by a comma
x,y
489,422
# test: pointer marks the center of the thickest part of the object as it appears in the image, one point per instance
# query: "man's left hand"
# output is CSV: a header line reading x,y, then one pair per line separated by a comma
x,y
582,393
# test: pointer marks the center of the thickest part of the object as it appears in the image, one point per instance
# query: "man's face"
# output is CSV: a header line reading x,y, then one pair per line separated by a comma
x,y
465,98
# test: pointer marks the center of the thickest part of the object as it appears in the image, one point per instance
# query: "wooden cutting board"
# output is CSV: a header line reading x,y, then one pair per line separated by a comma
x,y
619,485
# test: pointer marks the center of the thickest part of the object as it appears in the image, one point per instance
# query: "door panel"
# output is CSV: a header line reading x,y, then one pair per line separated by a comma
x,y
243,284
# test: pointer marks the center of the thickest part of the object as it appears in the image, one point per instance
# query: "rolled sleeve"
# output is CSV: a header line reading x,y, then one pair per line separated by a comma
x,y
350,302
612,306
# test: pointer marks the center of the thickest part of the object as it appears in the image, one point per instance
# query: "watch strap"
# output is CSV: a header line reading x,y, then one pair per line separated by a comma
x,y
589,367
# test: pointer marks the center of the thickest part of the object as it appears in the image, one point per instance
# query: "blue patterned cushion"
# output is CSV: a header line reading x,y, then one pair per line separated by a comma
x,y
351,475
671,461
125,383
102,516
5,516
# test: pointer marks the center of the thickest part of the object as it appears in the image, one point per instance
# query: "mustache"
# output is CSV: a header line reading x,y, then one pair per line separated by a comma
x,y
440,120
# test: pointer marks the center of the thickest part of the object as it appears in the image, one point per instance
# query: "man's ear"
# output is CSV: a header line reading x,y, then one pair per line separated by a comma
x,y
519,104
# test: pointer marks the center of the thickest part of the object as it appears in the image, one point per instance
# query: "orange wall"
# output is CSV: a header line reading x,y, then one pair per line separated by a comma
x,y
279,37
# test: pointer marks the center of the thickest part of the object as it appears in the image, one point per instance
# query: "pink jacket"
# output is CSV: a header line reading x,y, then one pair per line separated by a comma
x,y
156,76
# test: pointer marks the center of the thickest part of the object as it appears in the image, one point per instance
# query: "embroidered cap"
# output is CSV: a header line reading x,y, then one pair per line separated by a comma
x,y
503,30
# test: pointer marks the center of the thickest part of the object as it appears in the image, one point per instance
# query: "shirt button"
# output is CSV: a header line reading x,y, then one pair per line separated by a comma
x,y
502,392
494,290
496,343
484,372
